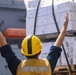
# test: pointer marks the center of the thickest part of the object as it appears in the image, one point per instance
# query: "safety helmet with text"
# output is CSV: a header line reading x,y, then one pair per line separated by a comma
x,y
31,45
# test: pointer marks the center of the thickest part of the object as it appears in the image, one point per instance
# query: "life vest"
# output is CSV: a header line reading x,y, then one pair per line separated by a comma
x,y
34,67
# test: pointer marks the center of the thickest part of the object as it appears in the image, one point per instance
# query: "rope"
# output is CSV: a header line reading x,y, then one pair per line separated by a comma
x,y
35,23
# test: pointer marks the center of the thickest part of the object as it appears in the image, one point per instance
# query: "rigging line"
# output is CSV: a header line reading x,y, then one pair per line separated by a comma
x,y
59,32
35,23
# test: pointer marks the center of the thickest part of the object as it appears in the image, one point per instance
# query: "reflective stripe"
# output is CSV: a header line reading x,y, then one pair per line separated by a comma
x,y
34,68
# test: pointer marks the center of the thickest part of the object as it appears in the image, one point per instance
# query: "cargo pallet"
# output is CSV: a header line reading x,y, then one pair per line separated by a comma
x,y
53,36
63,70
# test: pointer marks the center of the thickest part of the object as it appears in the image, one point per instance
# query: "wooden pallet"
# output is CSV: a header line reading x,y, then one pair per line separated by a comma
x,y
64,70
73,67
53,36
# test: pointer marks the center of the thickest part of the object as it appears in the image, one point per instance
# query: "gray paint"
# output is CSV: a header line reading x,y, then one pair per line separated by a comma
x,y
13,18
4,70
12,4
12,13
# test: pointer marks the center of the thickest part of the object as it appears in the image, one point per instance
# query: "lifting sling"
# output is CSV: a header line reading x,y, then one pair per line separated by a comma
x,y
58,33
36,17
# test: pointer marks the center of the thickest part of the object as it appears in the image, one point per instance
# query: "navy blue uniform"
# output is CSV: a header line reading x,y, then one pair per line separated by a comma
x,y
13,61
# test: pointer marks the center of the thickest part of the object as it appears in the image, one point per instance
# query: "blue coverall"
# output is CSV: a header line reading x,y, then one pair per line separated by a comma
x,y
13,61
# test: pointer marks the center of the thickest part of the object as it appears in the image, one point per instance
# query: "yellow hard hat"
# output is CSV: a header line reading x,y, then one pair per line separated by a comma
x,y
31,45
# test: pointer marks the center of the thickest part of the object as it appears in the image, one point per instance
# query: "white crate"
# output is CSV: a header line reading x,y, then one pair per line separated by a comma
x,y
45,49
48,19
70,48
34,3
61,16
31,12
45,22
49,28
44,10
71,26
